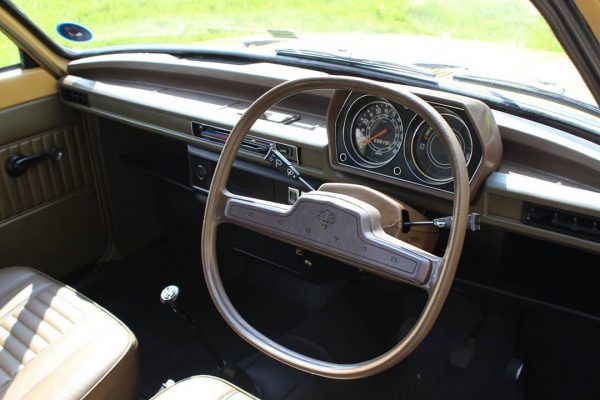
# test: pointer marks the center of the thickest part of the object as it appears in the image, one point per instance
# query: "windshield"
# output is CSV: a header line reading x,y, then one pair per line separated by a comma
x,y
498,40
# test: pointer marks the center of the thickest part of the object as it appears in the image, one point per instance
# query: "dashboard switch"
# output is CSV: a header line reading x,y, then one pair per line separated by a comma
x,y
290,152
293,195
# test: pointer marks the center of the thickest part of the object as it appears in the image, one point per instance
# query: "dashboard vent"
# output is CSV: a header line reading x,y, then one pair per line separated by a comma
x,y
76,97
560,221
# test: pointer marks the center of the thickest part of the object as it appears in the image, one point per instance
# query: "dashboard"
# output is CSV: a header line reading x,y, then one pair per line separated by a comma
x,y
524,176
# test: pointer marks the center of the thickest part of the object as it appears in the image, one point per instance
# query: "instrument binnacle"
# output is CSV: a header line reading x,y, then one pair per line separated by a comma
x,y
388,140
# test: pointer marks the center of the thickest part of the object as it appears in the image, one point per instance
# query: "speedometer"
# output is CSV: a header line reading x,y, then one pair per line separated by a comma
x,y
376,133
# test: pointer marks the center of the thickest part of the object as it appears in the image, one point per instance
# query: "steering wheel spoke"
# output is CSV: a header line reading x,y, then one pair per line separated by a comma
x,y
336,225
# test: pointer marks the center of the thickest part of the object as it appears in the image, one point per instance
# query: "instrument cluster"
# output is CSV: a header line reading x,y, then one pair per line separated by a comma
x,y
388,140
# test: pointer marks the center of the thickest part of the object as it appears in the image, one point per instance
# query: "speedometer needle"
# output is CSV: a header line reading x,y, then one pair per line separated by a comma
x,y
375,136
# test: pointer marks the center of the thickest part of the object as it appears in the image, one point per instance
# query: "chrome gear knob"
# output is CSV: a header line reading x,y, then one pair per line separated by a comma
x,y
169,296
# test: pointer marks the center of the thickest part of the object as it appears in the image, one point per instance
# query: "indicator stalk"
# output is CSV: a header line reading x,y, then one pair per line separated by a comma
x,y
283,165
473,223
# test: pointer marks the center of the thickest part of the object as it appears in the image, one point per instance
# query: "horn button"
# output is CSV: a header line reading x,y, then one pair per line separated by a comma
x,y
336,224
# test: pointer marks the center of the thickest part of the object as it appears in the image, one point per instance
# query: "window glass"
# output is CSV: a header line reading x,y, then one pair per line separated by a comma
x,y
9,52
507,41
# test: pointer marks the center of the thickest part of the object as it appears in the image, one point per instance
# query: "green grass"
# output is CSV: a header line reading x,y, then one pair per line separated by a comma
x,y
9,53
513,22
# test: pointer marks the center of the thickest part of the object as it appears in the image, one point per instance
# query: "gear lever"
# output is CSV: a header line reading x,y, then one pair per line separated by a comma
x,y
169,296
229,370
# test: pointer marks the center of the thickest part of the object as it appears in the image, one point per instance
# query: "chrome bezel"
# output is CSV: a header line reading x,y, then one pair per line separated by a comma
x,y
351,150
419,173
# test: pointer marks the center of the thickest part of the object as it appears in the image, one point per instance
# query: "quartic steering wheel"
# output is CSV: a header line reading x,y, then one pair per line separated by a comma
x,y
339,226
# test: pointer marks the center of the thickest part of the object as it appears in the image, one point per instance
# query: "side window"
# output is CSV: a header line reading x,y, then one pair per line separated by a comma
x,y
9,53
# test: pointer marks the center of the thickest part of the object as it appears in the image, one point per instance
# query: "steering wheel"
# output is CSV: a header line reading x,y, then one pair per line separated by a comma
x,y
338,226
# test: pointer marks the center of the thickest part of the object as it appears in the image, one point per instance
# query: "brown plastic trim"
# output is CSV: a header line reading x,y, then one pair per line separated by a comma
x,y
392,212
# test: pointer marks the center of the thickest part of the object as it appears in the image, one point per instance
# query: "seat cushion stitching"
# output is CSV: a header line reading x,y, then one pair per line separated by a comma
x,y
15,357
25,326
7,372
10,334
58,329
24,322
18,286
49,308
49,304
18,339
77,307
14,293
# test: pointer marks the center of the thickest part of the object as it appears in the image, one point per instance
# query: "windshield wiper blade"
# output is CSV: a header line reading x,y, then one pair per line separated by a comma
x,y
373,65
523,88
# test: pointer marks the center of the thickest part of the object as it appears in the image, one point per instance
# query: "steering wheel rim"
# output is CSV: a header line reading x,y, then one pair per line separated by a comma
x,y
441,278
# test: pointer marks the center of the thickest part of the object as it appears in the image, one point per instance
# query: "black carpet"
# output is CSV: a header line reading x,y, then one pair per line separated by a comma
x,y
342,321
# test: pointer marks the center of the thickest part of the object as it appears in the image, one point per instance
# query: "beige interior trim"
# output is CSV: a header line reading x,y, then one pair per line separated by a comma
x,y
208,387
502,199
20,86
391,210
590,9
54,63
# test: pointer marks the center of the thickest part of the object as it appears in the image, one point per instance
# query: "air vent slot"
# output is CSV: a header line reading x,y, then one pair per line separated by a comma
x,y
76,97
565,222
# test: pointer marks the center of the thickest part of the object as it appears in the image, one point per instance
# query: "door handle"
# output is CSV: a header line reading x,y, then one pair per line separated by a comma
x,y
17,164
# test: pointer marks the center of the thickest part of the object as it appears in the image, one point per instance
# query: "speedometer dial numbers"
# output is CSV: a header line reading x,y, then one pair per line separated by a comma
x,y
376,133
426,154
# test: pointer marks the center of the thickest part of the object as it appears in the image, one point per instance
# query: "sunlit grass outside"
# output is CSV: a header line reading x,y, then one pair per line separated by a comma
x,y
513,22
9,53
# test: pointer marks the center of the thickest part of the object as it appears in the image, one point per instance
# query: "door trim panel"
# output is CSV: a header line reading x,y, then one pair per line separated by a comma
x,y
24,85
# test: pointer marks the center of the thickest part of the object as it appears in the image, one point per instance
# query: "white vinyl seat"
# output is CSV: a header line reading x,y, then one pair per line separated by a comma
x,y
205,388
57,344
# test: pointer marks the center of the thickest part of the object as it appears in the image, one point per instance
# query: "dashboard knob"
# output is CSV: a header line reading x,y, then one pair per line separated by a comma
x,y
201,172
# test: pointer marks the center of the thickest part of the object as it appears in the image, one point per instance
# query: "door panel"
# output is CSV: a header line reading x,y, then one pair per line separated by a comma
x,y
23,85
49,217
49,180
